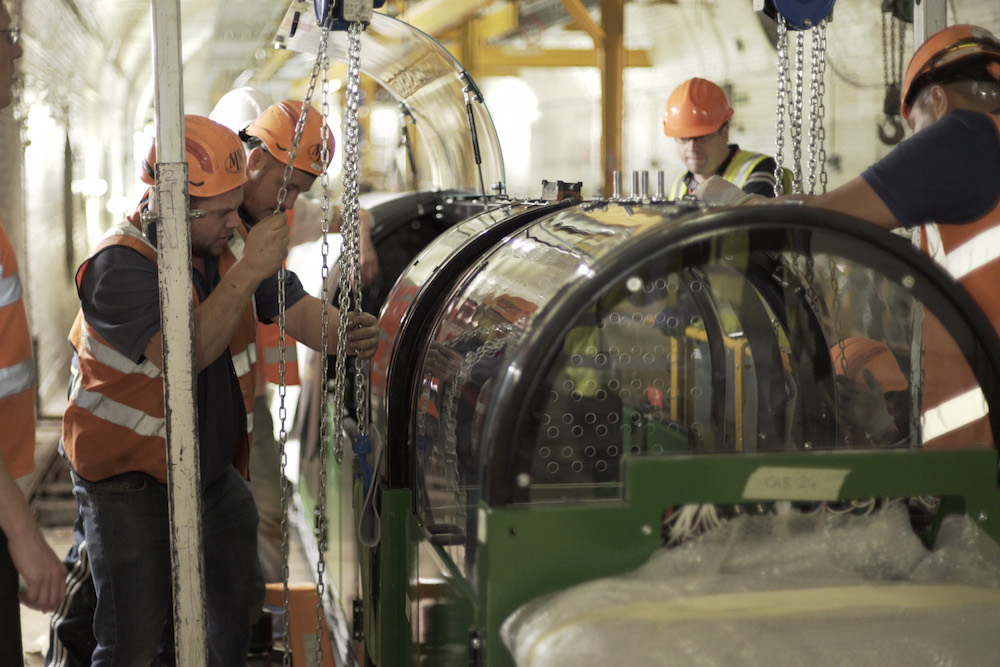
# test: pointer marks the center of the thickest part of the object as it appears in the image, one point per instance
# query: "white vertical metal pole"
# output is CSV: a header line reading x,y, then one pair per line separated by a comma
x,y
174,245
929,17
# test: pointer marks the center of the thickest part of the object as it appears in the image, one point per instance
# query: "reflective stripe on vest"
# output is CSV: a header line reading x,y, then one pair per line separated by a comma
x,y
99,405
954,414
10,290
952,399
740,167
17,369
17,378
972,255
115,420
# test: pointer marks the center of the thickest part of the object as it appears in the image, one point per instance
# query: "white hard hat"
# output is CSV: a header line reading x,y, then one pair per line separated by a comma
x,y
240,107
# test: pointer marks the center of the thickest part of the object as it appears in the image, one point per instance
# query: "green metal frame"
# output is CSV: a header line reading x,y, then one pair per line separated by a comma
x,y
533,550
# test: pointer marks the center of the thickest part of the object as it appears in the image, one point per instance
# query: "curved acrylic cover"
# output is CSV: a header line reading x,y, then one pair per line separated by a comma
x,y
606,330
428,83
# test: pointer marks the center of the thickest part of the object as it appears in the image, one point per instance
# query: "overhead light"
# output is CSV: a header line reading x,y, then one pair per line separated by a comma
x,y
89,187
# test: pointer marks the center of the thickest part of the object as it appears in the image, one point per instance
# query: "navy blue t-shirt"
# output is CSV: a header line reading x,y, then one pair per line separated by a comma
x,y
120,299
949,172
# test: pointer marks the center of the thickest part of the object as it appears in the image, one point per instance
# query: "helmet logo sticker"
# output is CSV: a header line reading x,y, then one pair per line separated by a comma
x,y
316,154
235,162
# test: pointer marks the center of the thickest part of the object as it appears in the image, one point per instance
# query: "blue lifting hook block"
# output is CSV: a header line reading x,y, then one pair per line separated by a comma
x,y
798,14
344,12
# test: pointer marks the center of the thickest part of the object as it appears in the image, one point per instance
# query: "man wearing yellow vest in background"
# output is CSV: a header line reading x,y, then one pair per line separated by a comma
x,y
268,141
114,426
22,547
697,116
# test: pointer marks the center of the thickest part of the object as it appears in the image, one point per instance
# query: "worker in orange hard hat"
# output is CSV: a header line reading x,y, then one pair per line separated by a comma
x,y
697,117
870,386
269,142
114,430
944,183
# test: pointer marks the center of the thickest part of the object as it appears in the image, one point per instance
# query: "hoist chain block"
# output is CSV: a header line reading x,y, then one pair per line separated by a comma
x,y
798,14
345,12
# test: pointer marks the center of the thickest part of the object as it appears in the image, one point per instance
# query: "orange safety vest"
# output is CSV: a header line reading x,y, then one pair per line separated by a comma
x,y
17,369
114,422
954,411
267,347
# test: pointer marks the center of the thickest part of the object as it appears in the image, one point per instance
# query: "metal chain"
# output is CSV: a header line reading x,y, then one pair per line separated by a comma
x,y
499,340
779,141
321,522
817,110
353,224
819,56
886,61
900,46
795,123
838,330
350,249
282,410
813,126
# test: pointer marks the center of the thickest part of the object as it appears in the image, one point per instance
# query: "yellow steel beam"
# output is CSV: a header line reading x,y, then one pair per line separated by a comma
x,y
612,86
509,59
500,22
583,18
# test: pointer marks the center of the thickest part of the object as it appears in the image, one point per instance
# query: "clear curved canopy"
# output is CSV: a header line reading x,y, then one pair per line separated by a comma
x,y
604,331
430,86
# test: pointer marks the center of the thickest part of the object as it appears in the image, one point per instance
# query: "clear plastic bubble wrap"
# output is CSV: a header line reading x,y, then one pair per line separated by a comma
x,y
788,589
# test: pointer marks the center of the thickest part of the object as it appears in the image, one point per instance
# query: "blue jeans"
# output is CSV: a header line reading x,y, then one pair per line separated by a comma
x,y
128,541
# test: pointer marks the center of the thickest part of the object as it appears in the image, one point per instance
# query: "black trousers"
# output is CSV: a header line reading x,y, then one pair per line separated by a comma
x,y
11,652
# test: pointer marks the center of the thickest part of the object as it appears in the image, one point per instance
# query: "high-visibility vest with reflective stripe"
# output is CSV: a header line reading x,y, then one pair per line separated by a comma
x,y
268,352
737,172
115,421
17,369
954,408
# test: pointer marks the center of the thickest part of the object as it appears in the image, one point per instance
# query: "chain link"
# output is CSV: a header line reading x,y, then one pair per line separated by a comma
x,y
817,109
320,64
350,253
791,85
782,47
324,457
795,123
819,55
813,126
886,61
839,332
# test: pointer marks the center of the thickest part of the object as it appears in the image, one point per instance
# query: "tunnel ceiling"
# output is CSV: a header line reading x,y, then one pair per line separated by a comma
x,y
231,40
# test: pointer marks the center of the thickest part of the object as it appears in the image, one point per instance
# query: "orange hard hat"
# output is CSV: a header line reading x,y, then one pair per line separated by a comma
x,y
696,107
862,353
944,51
276,128
215,157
